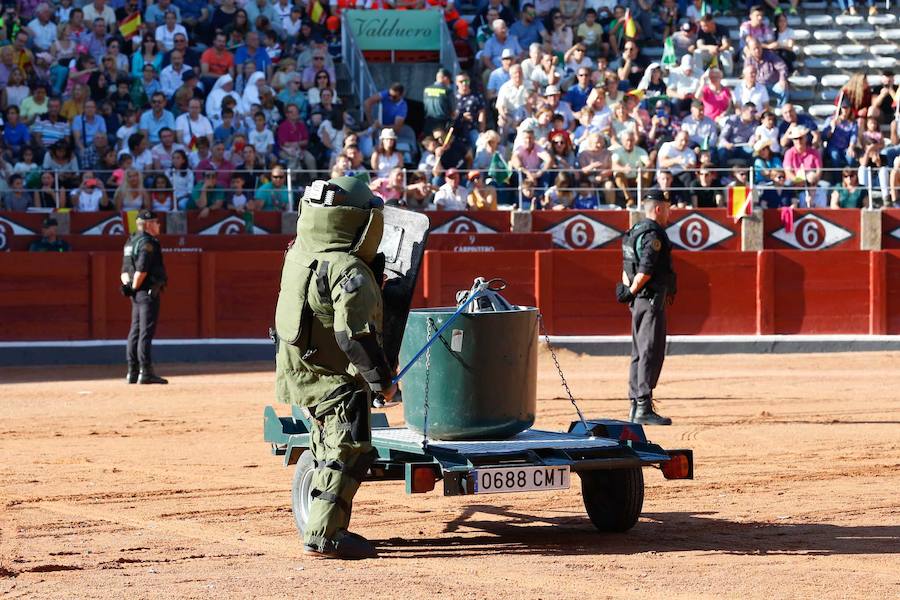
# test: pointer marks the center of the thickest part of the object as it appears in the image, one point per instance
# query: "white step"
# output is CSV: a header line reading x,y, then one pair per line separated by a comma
x,y
819,20
806,81
821,111
848,20
851,50
818,50
890,35
726,21
731,82
850,64
835,81
873,79
883,19
828,35
794,20
882,62
884,49
858,35
801,34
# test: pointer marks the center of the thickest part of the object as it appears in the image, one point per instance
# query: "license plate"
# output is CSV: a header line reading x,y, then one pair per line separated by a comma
x,y
521,479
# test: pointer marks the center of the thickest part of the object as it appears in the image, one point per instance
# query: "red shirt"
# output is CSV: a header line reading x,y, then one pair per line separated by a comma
x,y
219,64
291,133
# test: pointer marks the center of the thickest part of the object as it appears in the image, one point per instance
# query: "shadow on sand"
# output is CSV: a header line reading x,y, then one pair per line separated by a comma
x,y
523,534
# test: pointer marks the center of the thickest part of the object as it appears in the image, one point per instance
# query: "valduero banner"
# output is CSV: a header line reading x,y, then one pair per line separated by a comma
x,y
489,242
582,229
107,223
707,229
461,221
811,229
396,29
224,222
18,226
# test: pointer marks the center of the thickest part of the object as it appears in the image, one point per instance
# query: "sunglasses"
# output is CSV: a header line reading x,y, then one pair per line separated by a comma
x,y
277,176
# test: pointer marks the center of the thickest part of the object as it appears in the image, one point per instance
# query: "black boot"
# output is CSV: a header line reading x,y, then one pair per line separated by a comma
x,y
645,415
633,408
148,376
349,546
132,375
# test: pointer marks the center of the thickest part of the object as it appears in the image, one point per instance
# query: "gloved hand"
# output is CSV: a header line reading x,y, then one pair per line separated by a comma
x,y
127,290
623,293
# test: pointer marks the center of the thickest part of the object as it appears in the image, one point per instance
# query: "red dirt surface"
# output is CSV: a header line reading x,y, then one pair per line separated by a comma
x,y
115,491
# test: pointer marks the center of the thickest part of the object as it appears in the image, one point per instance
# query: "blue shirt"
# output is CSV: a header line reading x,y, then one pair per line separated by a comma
x,y
493,48
88,129
152,125
498,77
390,110
527,34
16,136
190,8
843,135
577,97
261,58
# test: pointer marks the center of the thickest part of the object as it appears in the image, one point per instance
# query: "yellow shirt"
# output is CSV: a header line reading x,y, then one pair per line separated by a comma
x,y
486,200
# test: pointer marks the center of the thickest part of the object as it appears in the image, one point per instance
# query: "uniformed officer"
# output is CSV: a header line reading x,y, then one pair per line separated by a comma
x,y
143,279
330,356
437,100
648,286
50,241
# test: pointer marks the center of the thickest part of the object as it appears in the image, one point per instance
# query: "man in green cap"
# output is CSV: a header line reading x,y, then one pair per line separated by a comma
x,y
330,356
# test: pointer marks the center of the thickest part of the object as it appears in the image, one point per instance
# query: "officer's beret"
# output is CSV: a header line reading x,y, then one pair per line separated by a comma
x,y
146,215
655,196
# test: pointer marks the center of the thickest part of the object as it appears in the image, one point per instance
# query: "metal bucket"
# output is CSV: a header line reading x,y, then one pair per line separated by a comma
x,y
482,374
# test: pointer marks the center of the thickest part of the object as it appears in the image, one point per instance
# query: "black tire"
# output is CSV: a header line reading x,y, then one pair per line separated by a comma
x,y
613,499
301,486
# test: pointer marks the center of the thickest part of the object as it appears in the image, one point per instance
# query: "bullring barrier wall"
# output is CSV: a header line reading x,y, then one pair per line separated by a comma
x,y
232,294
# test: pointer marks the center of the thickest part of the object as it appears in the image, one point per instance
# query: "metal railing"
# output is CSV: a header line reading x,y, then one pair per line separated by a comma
x,y
361,79
871,179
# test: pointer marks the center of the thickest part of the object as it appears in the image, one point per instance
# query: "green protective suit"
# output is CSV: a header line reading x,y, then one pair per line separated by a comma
x,y
329,359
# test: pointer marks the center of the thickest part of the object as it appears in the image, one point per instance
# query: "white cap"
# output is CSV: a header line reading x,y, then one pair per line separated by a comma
x,y
551,90
507,53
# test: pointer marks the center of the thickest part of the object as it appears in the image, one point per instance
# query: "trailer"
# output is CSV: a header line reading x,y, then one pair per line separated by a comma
x,y
608,455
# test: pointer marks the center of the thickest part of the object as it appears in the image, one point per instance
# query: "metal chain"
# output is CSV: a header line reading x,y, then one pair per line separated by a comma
x,y
428,325
562,377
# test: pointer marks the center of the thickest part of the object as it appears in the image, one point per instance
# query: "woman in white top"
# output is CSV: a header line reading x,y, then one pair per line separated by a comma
x,y
386,155
182,179
785,40
16,90
131,195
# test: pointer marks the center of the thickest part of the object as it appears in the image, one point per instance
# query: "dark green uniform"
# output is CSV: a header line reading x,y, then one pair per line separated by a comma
x,y
438,103
646,249
330,358
45,245
143,253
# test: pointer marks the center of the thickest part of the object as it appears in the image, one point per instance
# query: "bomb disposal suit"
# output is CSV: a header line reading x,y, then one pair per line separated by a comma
x,y
330,357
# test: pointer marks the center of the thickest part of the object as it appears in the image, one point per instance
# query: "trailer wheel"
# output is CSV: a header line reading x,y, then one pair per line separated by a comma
x,y
301,487
613,499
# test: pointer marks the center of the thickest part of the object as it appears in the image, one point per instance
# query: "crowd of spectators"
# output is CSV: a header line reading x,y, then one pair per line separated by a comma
x,y
198,105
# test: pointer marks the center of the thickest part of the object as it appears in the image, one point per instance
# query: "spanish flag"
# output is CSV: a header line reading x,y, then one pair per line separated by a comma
x,y
131,220
630,26
317,12
129,25
740,202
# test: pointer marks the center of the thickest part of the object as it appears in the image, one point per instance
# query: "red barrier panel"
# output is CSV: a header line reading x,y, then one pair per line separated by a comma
x,y
716,293
890,228
104,223
170,243
707,229
238,293
18,229
821,293
457,221
448,272
226,222
817,229
581,229
45,297
575,292
889,301
489,242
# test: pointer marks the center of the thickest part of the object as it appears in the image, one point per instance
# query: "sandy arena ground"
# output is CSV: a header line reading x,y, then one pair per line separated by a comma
x,y
114,491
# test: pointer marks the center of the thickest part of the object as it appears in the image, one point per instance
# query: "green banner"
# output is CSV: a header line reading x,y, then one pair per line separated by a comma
x,y
396,29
